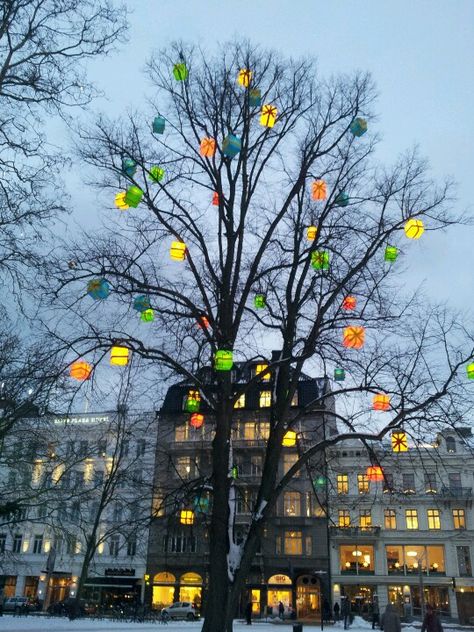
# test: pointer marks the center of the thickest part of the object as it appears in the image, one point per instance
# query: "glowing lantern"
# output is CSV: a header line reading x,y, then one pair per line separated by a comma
x,y
259,301
207,147
133,196
391,253
414,228
289,439
196,420
156,173
255,97
349,303
178,251
470,371
318,190
268,116
375,473
129,167
354,337
180,72
119,356
158,125
234,472
186,516
201,504
98,289
244,78
192,402
120,201
342,199
203,322
358,126
141,303
223,360
381,402
215,199
231,146
320,482
320,260
147,316
80,370
339,375
399,441
311,233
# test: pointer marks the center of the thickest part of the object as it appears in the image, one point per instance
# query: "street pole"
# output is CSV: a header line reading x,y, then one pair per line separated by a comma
x,y
422,592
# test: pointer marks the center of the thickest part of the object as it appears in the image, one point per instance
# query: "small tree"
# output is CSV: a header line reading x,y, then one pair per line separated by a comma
x,y
275,226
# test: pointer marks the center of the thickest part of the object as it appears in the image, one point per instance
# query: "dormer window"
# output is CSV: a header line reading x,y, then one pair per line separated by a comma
x,y
240,402
262,368
450,444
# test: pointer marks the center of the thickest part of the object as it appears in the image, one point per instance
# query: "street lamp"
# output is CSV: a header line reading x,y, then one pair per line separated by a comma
x,y
321,573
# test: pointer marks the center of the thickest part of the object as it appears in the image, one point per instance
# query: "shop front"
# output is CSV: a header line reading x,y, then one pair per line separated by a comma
x,y
360,597
116,587
7,585
308,597
279,588
167,588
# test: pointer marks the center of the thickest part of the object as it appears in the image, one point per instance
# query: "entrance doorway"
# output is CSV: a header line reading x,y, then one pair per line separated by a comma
x,y
308,597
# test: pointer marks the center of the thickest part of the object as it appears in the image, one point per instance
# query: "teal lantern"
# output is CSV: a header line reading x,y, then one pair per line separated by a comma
x,y
358,126
320,482
231,146
133,196
180,72
98,289
156,173
147,316
259,301
234,472
320,260
192,405
141,303
223,360
158,125
201,504
339,375
129,167
342,199
391,253
255,97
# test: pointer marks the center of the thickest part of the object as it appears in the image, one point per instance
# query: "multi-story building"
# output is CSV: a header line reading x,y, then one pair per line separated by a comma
x,y
409,537
292,562
62,476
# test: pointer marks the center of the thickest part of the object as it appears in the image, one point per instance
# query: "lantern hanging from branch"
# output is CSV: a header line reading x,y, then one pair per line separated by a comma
x,y
244,77
223,360
215,199
339,375
349,303
231,146
120,201
156,173
470,371
158,125
133,196
180,72
80,370
141,303
196,420
147,316
201,504
207,147
255,97
186,517
98,289
203,322
268,116
320,260
320,482
358,126
129,167
318,190
342,199
354,337
192,402
178,251
391,253
119,356
234,472
289,439
311,233
375,474
399,441
414,228
259,301
381,401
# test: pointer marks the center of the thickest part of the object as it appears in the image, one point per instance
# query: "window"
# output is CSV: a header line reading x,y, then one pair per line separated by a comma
x,y
342,481
450,444
93,509
245,501
410,559
434,521
256,465
42,511
262,368
183,466
363,483
390,519
71,544
179,542
408,482
38,544
182,432
431,486
454,480
83,447
75,512
98,478
131,547
292,503
464,561
249,432
344,518
395,563
263,429
356,559
3,542
69,448
265,400
125,447
387,484
240,402
288,461
114,545
308,545
141,447
102,447
117,513
58,544
459,518
411,516
365,518
293,543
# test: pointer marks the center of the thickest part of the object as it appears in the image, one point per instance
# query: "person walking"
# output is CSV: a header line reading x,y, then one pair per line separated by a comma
x,y
281,610
390,620
431,622
375,612
337,609
346,611
248,613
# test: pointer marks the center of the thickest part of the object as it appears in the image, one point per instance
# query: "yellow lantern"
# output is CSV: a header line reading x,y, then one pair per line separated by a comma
x,y
244,78
399,441
311,233
289,439
186,516
120,201
414,228
178,251
119,356
268,116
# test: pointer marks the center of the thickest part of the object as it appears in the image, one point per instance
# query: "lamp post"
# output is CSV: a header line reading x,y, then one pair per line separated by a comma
x,y
321,573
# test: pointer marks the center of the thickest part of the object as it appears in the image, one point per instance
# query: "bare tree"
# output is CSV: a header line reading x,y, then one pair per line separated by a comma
x,y
252,276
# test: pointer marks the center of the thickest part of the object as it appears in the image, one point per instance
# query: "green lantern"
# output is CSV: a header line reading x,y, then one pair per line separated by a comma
x,y
234,472
156,173
320,482
320,260
180,72
358,126
339,375
192,405
470,371
223,360
259,301
391,253
342,199
147,316
133,196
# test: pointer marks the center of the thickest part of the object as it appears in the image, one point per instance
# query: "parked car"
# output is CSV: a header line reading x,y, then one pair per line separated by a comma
x,y
18,604
181,610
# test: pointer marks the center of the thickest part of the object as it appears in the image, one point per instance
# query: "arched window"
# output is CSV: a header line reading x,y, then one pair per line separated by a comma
x,y
191,578
450,444
164,578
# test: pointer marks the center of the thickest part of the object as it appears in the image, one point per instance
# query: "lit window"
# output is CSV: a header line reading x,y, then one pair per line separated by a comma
x,y
182,432
288,461
363,483
249,430
262,368
183,466
434,521
365,518
411,516
265,399
263,429
459,518
342,484
240,402
356,559
344,518
390,519
292,503
293,543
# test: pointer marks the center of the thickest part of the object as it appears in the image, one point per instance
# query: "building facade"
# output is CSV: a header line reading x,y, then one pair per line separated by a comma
x,y
408,538
291,565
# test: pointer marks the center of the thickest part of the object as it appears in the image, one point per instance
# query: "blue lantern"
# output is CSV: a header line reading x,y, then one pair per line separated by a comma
x,y
339,375
129,167
231,146
141,303
201,504
358,126
98,289
158,125
342,199
255,97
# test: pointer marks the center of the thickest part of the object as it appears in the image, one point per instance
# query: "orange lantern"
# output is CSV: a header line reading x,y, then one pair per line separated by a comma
x,y
215,199
381,402
208,147
375,473
196,420
349,303
318,190
354,337
203,322
80,370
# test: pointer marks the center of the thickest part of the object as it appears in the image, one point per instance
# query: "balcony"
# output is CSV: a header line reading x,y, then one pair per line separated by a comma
x,y
355,532
459,493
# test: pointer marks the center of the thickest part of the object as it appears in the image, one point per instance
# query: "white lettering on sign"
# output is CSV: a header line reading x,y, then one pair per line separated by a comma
x,y
80,420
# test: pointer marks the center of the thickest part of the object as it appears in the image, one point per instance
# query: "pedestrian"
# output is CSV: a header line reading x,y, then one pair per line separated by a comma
x,y
431,622
337,609
281,610
346,611
248,613
390,620
375,612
